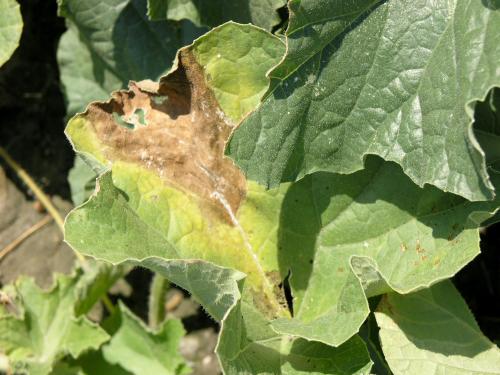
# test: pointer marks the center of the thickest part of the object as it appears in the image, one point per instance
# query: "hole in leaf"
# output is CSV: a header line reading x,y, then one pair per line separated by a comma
x,y
288,292
120,121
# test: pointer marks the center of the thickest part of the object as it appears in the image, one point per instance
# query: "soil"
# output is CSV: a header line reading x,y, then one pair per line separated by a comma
x,y
41,254
32,112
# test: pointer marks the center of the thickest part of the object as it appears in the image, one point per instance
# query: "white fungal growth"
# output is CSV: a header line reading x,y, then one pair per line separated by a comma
x,y
310,79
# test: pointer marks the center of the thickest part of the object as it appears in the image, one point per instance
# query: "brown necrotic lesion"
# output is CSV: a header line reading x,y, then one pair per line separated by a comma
x,y
177,129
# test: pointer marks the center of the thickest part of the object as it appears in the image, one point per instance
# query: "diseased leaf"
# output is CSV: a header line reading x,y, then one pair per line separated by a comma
x,y
137,349
11,27
212,13
110,42
180,190
173,204
434,332
42,328
215,288
398,80
235,59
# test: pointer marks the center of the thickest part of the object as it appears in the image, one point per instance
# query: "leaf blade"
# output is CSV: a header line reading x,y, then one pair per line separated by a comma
x,y
451,340
261,13
404,101
11,26
134,347
47,328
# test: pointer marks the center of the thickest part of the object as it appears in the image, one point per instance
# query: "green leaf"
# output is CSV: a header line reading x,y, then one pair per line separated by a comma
x,y
434,332
398,80
487,130
212,13
63,368
137,349
369,332
248,346
93,363
96,280
84,76
365,234
11,27
81,179
110,42
46,328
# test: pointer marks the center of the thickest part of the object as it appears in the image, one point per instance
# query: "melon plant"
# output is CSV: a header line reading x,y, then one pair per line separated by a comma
x,y
312,183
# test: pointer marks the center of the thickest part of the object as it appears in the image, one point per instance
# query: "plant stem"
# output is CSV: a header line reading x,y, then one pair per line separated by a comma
x,y
42,197
28,232
156,306
108,304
